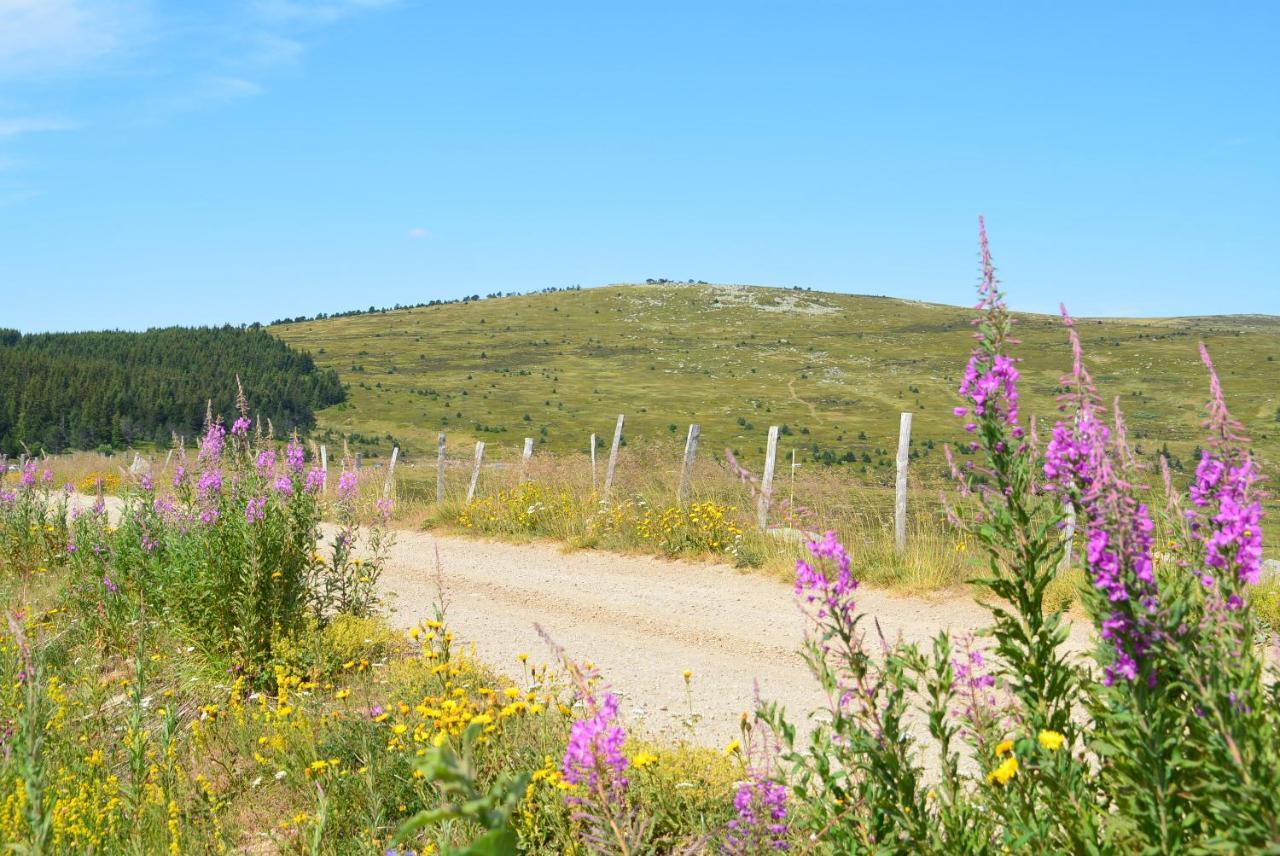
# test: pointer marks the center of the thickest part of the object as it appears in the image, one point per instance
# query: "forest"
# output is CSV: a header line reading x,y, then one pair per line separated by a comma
x,y
112,389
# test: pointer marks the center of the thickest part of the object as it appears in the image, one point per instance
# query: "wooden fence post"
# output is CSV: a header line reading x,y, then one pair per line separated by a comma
x,y
1068,534
900,494
686,471
475,472
525,455
766,481
324,470
391,473
593,463
613,457
440,469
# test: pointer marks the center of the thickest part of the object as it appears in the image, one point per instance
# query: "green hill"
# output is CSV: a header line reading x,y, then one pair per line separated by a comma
x,y
834,369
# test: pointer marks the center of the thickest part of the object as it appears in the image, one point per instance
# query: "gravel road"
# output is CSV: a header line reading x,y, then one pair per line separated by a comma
x,y
643,621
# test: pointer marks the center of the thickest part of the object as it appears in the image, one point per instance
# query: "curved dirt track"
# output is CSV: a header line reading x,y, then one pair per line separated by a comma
x,y
642,621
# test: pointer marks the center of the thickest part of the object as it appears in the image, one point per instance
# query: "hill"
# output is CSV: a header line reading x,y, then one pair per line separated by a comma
x,y
834,370
86,390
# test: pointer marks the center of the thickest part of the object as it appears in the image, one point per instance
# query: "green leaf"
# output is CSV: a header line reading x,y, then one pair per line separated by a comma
x,y
497,842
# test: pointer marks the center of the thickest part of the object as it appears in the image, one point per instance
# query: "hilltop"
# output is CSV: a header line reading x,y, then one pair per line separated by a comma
x,y
833,369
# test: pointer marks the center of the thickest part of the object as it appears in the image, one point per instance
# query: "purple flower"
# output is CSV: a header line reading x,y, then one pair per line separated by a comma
x,y
110,586
146,483
761,822
256,509
28,477
1226,517
179,475
284,485
831,595
315,480
1090,465
593,756
212,442
240,428
210,483
294,456
266,463
384,508
347,484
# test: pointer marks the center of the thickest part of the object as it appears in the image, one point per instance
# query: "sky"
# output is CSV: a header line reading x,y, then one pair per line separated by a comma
x,y
205,162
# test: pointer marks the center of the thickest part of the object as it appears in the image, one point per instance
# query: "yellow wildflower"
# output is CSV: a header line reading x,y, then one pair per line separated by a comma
x,y
643,759
1006,771
1051,740
1004,747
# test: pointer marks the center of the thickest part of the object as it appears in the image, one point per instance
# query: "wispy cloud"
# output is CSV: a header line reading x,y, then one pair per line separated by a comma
x,y
43,37
16,126
270,50
200,94
317,11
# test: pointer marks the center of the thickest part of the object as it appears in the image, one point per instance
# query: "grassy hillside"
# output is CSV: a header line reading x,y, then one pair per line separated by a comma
x,y
834,369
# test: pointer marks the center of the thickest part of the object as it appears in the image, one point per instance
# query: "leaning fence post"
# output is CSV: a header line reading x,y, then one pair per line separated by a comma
x,y
391,473
690,449
766,481
440,469
900,495
324,469
475,471
613,457
593,463
524,456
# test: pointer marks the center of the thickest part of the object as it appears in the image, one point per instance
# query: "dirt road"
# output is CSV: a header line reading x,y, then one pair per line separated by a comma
x,y
642,621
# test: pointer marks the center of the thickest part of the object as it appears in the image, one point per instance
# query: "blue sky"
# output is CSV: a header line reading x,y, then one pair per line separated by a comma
x,y
242,160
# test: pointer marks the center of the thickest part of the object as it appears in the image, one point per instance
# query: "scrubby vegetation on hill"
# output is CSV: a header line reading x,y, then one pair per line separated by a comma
x,y
115,388
832,370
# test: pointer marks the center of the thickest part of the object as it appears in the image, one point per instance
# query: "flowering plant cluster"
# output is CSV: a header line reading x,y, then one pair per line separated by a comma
x,y
1164,741
703,527
227,548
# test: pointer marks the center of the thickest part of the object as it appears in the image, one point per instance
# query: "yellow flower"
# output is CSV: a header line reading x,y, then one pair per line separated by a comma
x,y
342,693
1051,740
1003,747
688,674
643,759
734,746
1006,771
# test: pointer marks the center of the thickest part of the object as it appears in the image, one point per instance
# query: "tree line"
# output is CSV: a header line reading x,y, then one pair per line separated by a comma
x,y
111,389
